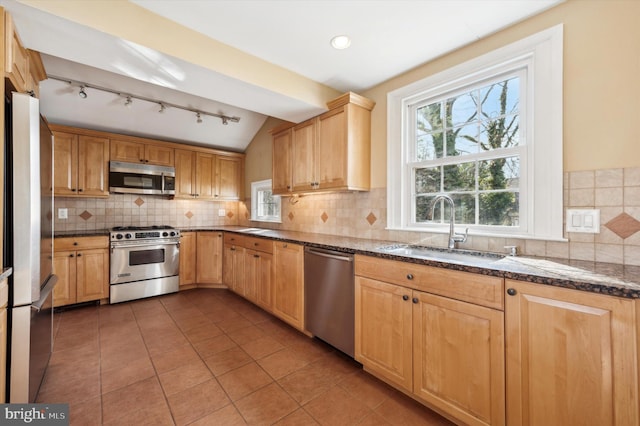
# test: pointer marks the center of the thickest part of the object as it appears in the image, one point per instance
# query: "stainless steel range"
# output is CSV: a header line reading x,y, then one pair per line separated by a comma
x,y
145,262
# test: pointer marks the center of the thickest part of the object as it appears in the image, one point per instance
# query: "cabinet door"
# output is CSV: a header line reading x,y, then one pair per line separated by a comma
x,y
281,162
571,357
159,155
303,145
265,275
233,269
92,273
331,158
65,160
251,267
228,178
64,266
458,358
185,173
16,57
384,342
131,152
209,255
288,303
93,166
205,176
187,258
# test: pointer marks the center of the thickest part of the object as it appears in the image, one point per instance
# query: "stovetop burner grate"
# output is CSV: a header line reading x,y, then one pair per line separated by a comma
x,y
141,228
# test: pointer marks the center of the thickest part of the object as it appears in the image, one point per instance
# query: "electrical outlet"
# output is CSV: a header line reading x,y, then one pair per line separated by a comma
x,y
583,220
63,214
222,212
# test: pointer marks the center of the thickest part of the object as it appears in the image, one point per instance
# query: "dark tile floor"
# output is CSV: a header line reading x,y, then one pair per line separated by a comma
x,y
208,357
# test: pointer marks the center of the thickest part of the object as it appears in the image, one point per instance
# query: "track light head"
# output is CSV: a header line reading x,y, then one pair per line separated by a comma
x,y
162,108
128,102
225,120
198,118
82,93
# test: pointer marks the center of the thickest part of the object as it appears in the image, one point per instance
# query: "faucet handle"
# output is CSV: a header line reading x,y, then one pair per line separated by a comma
x,y
461,238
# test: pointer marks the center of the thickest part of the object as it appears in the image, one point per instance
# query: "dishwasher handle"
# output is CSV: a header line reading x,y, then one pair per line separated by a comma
x,y
330,254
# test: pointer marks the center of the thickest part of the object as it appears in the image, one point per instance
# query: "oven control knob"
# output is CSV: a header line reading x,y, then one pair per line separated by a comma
x,y
128,236
173,234
118,236
165,234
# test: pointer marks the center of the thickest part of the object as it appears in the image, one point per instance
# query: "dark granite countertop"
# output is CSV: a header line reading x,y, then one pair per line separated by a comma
x,y
81,233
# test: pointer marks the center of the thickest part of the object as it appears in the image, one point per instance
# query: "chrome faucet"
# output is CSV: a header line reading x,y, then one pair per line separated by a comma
x,y
453,237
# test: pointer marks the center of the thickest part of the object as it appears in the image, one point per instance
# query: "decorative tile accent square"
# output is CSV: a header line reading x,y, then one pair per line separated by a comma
x,y
229,214
623,225
139,201
86,215
290,216
189,215
324,217
371,218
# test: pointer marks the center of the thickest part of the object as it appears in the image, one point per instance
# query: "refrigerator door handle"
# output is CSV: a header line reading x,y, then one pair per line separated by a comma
x,y
44,293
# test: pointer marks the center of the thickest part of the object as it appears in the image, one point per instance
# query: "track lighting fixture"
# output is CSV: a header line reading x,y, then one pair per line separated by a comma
x,y
129,100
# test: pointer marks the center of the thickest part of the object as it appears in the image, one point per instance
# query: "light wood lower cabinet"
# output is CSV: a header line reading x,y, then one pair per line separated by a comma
x,y
571,357
445,352
288,289
188,262
233,263
259,272
209,258
82,267
4,300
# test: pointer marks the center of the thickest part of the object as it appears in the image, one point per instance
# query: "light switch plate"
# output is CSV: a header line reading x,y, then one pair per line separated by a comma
x,y
222,212
63,214
583,220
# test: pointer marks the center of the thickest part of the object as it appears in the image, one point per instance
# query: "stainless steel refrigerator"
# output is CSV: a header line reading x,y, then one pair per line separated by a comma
x,y
28,245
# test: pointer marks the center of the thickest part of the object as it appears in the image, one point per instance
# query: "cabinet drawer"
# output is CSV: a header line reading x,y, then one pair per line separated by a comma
x,y
76,243
231,239
259,244
473,288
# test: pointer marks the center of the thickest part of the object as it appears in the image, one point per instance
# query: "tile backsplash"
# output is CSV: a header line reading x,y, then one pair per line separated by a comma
x,y
616,192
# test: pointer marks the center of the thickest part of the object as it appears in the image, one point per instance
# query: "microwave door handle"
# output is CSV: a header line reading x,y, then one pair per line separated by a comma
x,y
162,183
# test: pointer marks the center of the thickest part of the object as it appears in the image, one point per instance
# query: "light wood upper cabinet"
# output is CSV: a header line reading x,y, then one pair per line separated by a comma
x,y
229,172
209,258
188,263
185,173
81,165
37,73
288,297
139,152
329,152
571,357
16,57
281,163
207,176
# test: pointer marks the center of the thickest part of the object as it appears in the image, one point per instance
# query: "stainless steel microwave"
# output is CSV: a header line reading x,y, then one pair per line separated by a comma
x,y
134,178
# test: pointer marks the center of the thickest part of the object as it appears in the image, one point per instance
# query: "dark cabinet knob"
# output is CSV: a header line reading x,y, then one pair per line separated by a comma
x,y
80,190
405,297
73,190
511,291
409,276
256,256
79,254
415,300
71,255
75,243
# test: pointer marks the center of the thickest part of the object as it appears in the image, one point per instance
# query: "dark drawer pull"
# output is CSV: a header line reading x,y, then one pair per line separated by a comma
x,y
405,297
256,256
409,276
511,291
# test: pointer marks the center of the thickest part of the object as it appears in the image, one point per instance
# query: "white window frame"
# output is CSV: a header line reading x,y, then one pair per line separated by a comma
x,y
261,186
540,55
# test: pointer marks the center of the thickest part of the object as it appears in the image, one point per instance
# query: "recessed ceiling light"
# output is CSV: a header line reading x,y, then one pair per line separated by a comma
x,y
341,42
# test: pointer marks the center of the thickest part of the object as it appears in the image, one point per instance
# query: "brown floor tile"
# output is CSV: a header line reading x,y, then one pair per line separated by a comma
x,y
197,402
86,413
76,339
307,383
366,388
176,302
118,356
156,415
175,358
128,373
164,342
64,372
109,314
266,405
223,314
244,380
336,407
228,360
262,347
184,377
281,363
297,418
402,410
310,350
374,419
73,391
86,352
234,323
227,416
212,346
256,315
203,332
124,402
245,334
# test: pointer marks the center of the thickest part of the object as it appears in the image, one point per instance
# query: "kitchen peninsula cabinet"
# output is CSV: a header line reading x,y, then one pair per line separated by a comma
x,y
435,334
571,357
81,165
138,152
82,267
288,289
188,263
330,152
209,257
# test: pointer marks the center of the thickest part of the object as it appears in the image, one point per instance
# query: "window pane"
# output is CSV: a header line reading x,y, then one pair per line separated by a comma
x,y
501,132
465,207
423,208
428,180
462,140
429,146
500,98
501,173
429,118
499,208
459,177
461,109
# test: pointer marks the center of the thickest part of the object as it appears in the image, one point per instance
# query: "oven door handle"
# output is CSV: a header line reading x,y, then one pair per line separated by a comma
x,y
173,243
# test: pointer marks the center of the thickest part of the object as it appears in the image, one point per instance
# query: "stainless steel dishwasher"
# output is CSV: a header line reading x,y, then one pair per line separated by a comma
x,y
329,297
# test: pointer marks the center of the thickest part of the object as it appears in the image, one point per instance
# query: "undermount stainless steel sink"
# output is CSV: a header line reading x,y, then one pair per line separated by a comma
x,y
254,230
441,254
